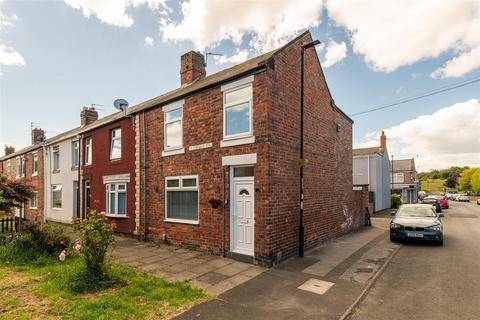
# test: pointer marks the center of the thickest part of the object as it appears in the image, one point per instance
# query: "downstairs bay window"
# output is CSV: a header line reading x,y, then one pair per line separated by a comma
x,y
117,199
181,199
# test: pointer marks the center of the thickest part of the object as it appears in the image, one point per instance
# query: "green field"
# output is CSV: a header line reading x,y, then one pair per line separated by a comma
x,y
430,185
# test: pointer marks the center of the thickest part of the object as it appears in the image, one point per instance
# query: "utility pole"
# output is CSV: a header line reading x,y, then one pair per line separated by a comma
x,y
301,162
391,188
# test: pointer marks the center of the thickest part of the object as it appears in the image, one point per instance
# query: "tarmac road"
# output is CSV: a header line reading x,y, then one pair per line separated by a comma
x,y
432,282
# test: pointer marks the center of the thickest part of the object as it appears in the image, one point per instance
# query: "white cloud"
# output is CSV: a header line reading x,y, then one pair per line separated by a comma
x,y
270,23
148,41
394,33
238,57
8,55
445,138
113,12
336,52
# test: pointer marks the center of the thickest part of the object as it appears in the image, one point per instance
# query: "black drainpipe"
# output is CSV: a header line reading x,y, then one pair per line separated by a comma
x,y
144,177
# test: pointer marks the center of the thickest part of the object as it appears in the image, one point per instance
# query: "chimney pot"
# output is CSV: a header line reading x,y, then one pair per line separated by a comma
x,y
9,150
37,135
192,67
88,115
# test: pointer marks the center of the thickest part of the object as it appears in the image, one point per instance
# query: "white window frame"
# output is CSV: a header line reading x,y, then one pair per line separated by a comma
x,y
75,160
397,174
18,173
116,192
113,139
182,188
61,196
34,163
36,200
55,150
168,151
88,151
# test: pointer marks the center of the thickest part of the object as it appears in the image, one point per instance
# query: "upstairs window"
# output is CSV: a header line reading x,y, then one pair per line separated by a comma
x,y
56,159
116,144
398,177
88,151
21,167
173,128
34,164
117,199
181,199
75,154
237,112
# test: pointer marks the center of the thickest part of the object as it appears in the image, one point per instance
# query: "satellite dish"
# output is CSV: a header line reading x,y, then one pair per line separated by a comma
x,y
120,104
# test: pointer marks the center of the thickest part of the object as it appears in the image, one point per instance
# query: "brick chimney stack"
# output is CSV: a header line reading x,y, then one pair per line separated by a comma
x,y
383,141
88,115
192,67
38,135
9,150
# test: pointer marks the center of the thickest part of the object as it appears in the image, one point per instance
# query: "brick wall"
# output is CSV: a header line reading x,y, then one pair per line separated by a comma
x,y
103,166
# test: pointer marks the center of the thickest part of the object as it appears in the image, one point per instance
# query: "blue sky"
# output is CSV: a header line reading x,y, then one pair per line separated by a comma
x,y
58,56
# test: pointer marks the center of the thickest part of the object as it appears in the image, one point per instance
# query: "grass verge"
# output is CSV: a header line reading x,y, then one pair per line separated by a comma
x,y
47,289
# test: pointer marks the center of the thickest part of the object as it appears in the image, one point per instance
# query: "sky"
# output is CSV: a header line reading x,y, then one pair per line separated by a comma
x,y
58,56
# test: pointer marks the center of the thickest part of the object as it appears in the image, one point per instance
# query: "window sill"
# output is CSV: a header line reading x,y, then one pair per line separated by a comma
x,y
115,159
33,208
237,141
74,168
166,153
35,174
194,222
57,209
120,216
55,171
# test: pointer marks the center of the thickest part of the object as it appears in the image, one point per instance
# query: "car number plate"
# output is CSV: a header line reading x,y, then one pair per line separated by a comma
x,y
415,234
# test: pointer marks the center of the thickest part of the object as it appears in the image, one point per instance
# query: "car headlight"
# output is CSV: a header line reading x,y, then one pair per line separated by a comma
x,y
394,225
437,227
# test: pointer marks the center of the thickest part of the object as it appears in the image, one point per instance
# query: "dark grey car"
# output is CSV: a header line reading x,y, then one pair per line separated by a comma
x,y
417,221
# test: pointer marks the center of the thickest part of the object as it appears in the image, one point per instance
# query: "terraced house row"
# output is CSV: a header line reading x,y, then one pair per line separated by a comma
x,y
212,165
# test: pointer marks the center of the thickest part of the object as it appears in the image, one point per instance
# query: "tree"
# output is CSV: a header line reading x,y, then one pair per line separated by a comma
x,y
451,181
475,181
13,193
465,180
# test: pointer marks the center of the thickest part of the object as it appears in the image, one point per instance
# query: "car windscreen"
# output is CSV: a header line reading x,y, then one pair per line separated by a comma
x,y
415,212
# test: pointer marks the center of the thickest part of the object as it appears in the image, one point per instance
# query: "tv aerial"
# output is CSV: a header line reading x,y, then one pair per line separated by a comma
x,y
120,104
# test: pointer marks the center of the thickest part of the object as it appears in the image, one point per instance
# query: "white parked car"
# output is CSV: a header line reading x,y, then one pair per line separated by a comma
x,y
463,198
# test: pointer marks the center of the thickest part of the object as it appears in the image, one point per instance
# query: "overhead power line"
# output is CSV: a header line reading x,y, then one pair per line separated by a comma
x,y
419,96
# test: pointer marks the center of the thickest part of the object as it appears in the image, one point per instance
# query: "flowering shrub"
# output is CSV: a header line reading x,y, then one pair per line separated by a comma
x,y
44,238
95,235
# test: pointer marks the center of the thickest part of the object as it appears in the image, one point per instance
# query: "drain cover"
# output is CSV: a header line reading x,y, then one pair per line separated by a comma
x,y
316,286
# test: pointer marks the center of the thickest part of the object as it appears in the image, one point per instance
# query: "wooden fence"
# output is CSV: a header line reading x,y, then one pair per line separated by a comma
x,y
9,224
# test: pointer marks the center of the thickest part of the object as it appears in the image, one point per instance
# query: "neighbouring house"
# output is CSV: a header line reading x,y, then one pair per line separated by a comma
x,y
62,171
108,170
27,164
233,138
405,181
371,166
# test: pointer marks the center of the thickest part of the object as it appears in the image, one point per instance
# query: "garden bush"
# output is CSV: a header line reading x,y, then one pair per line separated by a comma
x,y
396,201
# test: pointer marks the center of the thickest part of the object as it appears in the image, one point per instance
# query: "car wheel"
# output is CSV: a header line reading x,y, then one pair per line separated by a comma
x,y
393,239
439,242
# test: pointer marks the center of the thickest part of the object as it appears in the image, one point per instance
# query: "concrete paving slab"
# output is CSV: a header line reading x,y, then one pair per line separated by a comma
x,y
233,268
212,278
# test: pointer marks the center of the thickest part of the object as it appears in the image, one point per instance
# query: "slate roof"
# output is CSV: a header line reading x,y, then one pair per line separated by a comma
x,y
403,165
367,151
22,151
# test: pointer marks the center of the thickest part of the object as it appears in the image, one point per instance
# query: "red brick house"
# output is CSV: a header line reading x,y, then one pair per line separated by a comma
x,y
234,136
27,164
108,170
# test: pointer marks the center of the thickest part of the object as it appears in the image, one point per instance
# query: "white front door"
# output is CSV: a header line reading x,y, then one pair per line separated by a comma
x,y
243,216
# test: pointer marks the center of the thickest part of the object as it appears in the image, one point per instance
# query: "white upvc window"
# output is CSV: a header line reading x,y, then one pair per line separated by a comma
x,y
173,128
181,199
116,144
398,177
56,196
117,199
75,154
88,151
19,167
34,163
237,112
34,200
56,159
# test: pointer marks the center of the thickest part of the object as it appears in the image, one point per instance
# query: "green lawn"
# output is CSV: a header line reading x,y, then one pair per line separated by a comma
x,y
42,290
433,185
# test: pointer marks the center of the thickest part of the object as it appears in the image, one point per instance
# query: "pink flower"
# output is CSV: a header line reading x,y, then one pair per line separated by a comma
x,y
78,246
62,255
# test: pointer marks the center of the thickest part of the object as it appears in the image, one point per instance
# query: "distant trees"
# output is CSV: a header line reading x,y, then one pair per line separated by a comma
x,y
441,174
451,181
469,180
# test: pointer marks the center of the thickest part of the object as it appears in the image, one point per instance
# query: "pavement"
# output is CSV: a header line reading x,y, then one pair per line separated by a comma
x,y
432,282
322,285
213,274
